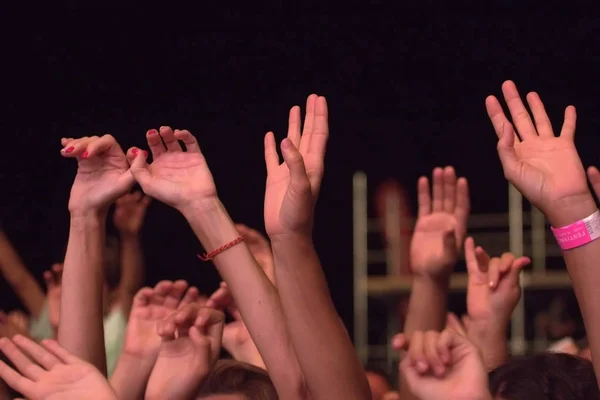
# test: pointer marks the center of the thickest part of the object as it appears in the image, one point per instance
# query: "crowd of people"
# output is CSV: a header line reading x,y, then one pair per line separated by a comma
x,y
270,330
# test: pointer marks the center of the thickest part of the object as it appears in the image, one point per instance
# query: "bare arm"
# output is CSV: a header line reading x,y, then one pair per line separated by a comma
x,y
19,278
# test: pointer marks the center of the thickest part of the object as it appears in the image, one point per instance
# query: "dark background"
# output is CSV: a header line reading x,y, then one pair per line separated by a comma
x,y
405,87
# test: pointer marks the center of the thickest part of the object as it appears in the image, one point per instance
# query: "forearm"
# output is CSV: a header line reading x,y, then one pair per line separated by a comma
x,y
132,263
324,350
131,376
81,306
19,278
254,294
491,340
427,306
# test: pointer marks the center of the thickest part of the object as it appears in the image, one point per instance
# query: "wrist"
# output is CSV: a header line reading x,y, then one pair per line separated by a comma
x,y
129,236
195,208
292,237
87,218
440,281
570,210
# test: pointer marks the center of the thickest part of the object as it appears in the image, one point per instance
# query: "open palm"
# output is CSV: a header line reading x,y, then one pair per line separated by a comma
x,y
150,306
441,224
286,208
103,171
545,168
50,372
175,177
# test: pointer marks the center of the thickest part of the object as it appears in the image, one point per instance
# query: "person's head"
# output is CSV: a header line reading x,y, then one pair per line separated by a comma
x,y
379,382
234,380
552,376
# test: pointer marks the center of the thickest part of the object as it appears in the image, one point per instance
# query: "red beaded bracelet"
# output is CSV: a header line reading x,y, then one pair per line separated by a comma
x,y
214,253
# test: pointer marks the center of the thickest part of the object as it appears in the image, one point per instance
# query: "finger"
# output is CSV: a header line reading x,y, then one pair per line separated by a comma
x,y
207,349
76,147
185,316
160,291
174,294
594,177
542,122
431,352
49,280
169,139
16,380
220,299
139,168
142,297
320,134
438,189
36,352
446,341
416,352
483,258
166,329
470,258
210,322
100,146
299,183
271,156
506,151
155,143
494,272
518,112
309,120
452,322
190,141
25,366
399,342
65,141
449,190
252,235
506,262
568,128
463,208
424,197
514,274
191,296
294,131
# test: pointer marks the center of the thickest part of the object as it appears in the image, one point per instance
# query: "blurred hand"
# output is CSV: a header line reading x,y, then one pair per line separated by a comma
x,y
191,342
178,178
50,372
53,281
441,224
293,187
102,175
130,210
442,365
545,168
493,289
11,326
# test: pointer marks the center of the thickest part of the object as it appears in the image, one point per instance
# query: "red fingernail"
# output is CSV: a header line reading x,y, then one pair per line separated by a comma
x,y
151,132
134,152
69,149
145,153
85,155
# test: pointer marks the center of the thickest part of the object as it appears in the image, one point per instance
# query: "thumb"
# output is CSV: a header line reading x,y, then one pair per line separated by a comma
x,y
506,148
299,182
139,166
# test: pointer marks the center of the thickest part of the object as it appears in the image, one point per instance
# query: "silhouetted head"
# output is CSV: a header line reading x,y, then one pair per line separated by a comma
x,y
234,380
545,376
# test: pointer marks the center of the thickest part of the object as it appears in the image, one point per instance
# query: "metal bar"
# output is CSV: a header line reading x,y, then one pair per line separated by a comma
x,y
360,215
538,240
515,211
392,230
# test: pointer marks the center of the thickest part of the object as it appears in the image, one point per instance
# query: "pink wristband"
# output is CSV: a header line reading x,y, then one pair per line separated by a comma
x,y
578,233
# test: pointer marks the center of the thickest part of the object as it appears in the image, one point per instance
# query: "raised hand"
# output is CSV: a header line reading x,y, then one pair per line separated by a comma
x,y
150,306
50,372
443,365
441,223
545,168
53,281
191,342
293,186
493,289
10,326
176,177
102,175
130,210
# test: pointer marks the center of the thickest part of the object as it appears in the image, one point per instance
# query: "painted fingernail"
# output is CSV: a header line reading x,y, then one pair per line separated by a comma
x,y
151,132
85,155
134,152
69,149
145,153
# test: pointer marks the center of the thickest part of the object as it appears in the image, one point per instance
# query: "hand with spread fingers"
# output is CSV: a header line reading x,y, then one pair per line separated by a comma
x,y
50,372
53,281
441,224
493,289
176,177
293,186
102,176
442,365
191,342
130,210
545,168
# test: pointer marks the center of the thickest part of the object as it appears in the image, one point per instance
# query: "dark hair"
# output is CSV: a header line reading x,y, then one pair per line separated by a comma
x,y
235,377
545,376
